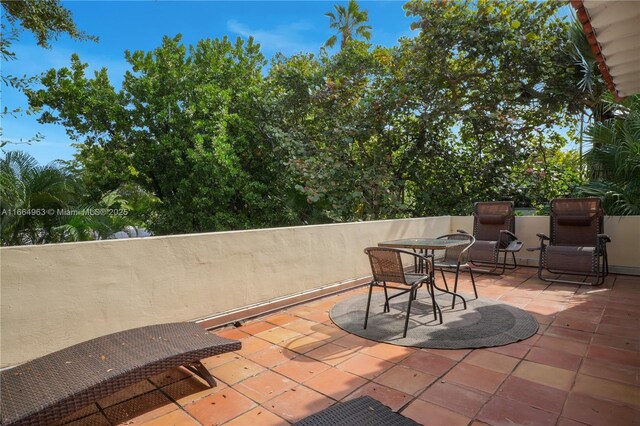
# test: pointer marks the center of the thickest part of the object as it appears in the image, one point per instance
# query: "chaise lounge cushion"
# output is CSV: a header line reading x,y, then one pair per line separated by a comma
x,y
570,258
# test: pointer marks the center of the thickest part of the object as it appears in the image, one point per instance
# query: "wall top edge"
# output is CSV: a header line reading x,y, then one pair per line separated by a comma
x,y
240,231
276,229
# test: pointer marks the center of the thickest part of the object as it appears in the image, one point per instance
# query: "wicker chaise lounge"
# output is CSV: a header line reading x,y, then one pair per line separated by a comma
x,y
45,390
363,411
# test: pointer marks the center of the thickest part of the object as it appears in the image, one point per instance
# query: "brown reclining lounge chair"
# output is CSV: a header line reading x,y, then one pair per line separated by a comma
x,y
47,389
494,231
577,245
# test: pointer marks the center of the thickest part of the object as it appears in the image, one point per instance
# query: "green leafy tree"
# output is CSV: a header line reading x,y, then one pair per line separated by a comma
x,y
341,148
549,173
486,84
46,19
349,21
288,119
187,127
457,114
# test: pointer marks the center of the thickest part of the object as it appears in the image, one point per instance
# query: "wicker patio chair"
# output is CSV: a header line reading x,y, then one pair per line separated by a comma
x,y
455,259
387,266
362,411
577,245
49,388
494,231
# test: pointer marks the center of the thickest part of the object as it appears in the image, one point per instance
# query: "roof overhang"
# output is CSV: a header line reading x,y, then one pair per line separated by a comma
x,y
613,31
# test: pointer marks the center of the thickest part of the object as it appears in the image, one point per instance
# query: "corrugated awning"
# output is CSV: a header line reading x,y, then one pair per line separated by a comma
x,y
613,31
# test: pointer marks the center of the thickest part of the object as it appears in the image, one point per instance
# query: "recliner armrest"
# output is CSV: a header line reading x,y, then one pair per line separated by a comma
x,y
543,237
604,237
509,233
509,241
514,246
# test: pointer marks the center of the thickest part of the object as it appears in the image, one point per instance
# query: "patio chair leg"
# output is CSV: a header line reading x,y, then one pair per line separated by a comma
x,y
444,279
504,263
433,300
415,291
436,307
464,302
496,268
473,283
366,315
406,320
455,289
386,298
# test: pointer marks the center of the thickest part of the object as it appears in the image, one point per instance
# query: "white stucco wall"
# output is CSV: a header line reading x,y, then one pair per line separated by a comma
x,y
53,296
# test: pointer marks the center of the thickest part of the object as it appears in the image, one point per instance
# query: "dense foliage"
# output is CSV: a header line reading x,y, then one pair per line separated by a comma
x,y
474,107
462,112
614,159
613,133
48,204
187,126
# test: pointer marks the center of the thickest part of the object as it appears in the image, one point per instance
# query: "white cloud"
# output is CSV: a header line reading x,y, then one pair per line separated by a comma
x,y
288,39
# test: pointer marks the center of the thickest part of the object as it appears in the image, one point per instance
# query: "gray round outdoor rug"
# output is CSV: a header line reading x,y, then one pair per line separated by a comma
x,y
485,323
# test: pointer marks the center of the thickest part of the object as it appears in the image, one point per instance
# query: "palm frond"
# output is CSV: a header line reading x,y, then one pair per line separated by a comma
x,y
616,200
614,160
364,32
331,41
348,21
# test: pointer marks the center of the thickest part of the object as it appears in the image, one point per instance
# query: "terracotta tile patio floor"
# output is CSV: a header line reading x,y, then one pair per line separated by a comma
x,y
582,367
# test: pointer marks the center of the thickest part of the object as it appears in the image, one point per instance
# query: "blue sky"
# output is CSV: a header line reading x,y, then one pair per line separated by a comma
x,y
279,26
